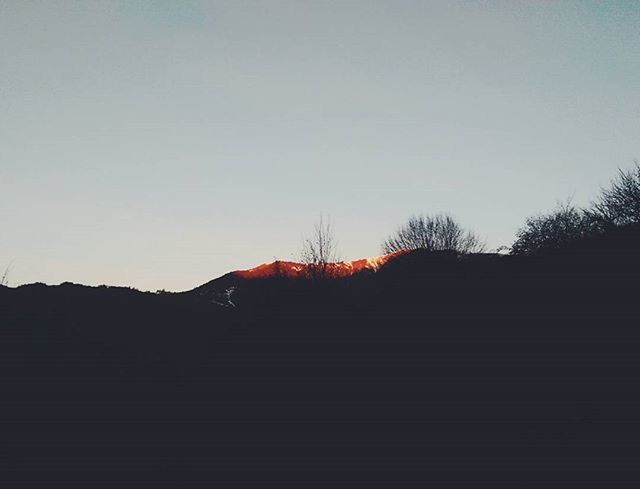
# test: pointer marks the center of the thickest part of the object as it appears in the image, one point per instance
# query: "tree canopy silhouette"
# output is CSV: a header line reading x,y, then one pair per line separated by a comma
x,y
619,204
553,231
439,232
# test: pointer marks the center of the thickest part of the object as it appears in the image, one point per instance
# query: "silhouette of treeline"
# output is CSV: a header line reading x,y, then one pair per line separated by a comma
x,y
441,369
616,209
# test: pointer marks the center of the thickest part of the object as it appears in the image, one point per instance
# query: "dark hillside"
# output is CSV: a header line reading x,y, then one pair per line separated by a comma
x,y
474,371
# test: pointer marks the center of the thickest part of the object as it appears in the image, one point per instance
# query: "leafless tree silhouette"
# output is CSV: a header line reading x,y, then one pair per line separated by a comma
x,y
4,278
439,232
619,204
554,230
319,251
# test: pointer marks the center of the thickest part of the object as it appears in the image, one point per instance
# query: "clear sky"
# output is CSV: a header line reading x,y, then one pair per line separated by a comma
x,y
161,144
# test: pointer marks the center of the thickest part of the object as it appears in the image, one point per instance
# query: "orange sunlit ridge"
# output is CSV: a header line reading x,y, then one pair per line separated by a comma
x,y
335,269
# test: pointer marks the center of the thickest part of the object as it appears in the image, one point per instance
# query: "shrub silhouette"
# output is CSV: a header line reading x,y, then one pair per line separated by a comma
x,y
439,232
556,230
619,204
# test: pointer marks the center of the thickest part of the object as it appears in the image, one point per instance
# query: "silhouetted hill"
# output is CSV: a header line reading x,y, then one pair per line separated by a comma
x,y
436,369
225,290
117,320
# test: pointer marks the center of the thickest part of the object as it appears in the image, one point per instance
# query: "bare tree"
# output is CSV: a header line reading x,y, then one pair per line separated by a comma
x,y
555,230
619,204
439,232
319,251
4,278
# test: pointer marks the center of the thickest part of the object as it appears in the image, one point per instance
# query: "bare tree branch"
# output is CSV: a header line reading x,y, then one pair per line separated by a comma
x,y
319,251
553,231
440,232
4,279
619,204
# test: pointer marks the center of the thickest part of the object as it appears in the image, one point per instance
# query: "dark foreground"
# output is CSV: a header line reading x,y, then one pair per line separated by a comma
x,y
442,372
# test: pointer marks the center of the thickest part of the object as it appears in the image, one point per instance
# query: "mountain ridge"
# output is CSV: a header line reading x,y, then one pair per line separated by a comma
x,y
220,290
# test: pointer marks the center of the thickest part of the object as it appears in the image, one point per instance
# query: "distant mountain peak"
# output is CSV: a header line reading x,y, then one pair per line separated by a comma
x,y
280,268
222,291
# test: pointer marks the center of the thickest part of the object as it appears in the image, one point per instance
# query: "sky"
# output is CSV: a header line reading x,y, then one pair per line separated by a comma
x,y
162,144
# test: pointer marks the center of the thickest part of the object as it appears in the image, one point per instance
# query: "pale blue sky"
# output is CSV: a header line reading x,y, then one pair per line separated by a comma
x,y
162,144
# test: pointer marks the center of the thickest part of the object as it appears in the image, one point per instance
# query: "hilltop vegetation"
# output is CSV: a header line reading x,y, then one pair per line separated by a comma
x,y
436,367
617,208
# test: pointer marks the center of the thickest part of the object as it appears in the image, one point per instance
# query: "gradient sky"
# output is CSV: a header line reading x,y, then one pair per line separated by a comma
x,y
161,144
